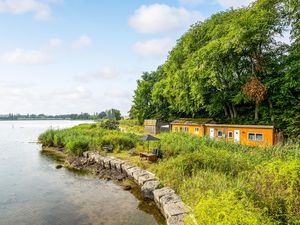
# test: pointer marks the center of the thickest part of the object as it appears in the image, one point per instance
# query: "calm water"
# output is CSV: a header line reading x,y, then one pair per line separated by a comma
x,y
33,192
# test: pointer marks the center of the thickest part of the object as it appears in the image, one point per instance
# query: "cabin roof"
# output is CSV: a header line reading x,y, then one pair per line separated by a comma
x,y
210,123
240,126
193,121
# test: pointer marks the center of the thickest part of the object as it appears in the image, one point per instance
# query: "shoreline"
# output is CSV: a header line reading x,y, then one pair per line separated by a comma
x,y
83,166
130,178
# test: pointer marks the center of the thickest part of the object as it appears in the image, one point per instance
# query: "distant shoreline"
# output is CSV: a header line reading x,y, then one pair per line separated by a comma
x,y
25,119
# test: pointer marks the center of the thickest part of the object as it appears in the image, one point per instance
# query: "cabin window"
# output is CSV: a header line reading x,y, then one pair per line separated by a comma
x,y
230,134
220,133
196,130
259,137
251,136
176,129
186,129
255,137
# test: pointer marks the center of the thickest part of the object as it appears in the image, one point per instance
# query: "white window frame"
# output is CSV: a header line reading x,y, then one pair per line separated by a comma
x,y
255,138
196,130
186,129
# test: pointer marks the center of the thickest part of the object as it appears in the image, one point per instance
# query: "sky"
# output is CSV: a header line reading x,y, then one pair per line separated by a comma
x,y
73,56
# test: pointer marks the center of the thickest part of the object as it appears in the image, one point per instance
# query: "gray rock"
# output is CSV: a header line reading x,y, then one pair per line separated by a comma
x,y
106,163
144,178
116,164
169,198
136,174
125,167
86,154
119,165
176,220
131,170
174,209
59,166
149,187
98,158
161,192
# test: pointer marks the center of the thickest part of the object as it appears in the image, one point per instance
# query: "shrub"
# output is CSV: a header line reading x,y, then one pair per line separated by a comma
x,y
77,145
229,208
47,138
119,140
110,124
276,186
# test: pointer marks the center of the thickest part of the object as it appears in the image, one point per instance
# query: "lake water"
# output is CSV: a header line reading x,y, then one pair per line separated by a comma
x,y
33,192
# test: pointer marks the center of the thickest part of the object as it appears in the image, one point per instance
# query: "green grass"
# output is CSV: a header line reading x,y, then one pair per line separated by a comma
x,y
223,183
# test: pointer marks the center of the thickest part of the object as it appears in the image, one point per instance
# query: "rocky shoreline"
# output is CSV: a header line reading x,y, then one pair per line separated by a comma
x,y
170,204
110,168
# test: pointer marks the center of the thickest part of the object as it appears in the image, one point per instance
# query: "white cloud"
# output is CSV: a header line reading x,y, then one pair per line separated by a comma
x,y
154,47
106,72
162,18
117,94
55,43
234,3
40,9
79,93
84,41
21,56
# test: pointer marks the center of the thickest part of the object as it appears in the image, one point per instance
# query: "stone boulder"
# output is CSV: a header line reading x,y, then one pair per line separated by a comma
x,y
149,187
145,177
137,173
161,192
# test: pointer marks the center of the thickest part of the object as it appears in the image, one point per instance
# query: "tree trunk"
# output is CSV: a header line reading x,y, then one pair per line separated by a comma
x,y
256,111
225,111
230,111
271,110
234,111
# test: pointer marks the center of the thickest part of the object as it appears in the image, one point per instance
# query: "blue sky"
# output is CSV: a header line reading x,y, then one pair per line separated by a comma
x,y
72,56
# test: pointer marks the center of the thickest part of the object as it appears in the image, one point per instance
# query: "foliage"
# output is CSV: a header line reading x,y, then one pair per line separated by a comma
x,y
276,186
132,126
223,183
110,114
47,138
228,208
209,73
109,124
77,145
87,137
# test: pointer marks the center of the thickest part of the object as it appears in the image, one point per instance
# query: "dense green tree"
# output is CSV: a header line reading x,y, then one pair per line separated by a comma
x,y
208,71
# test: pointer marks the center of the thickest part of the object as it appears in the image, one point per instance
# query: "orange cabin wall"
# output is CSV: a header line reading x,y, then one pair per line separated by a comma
x,y
268,133
191,129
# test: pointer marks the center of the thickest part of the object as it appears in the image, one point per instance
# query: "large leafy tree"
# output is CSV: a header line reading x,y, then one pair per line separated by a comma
x,y
208,71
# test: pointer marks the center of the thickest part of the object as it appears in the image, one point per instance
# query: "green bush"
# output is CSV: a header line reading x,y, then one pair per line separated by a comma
x,y
229,208
77,145
276,186
110,124
47,138
119,140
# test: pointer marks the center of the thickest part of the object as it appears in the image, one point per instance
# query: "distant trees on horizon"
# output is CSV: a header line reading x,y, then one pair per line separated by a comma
x,y
114,114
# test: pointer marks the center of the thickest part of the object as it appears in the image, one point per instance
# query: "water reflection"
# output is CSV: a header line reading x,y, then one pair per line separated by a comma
x,y
32,191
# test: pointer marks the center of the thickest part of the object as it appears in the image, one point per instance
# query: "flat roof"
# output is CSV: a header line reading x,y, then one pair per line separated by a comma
x,y
192,121
240,126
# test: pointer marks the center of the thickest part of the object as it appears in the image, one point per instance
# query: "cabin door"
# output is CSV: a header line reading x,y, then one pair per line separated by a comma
x,y
211,133
237,136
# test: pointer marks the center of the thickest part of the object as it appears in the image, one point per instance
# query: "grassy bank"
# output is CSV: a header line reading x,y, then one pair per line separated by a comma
x,y
222,183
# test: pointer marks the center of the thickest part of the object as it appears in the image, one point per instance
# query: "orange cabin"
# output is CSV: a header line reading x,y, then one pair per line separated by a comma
x,y
253,135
